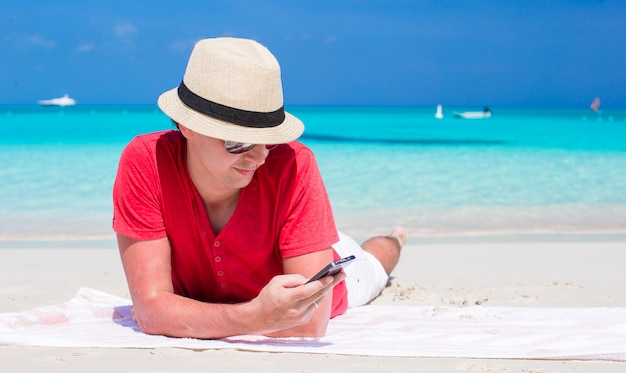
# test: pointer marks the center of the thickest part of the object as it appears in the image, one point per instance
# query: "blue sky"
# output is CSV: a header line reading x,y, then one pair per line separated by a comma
x,y
507,53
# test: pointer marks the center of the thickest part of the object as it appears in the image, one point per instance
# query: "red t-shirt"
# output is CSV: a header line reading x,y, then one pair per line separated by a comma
x,y
284,212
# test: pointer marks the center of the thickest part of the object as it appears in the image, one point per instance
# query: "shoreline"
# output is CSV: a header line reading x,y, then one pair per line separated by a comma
x,y
109,241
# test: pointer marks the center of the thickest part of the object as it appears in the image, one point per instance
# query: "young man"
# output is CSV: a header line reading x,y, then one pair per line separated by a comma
x,y
221,223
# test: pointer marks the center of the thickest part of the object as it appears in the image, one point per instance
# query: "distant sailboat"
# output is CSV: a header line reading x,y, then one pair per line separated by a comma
x,y
439,113
60,101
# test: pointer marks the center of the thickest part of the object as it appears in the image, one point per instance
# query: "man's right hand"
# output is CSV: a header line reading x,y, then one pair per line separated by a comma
x,y
287,302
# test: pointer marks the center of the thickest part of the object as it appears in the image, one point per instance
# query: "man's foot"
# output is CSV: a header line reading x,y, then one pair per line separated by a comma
x,y
399,233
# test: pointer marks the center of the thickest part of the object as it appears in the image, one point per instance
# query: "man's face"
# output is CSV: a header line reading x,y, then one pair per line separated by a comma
x,y
209,162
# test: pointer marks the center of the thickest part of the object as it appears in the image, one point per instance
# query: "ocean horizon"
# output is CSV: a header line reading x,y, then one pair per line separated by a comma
x,y
520,174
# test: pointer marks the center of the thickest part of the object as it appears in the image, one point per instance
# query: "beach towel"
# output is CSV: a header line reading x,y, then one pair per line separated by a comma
x,y
97,319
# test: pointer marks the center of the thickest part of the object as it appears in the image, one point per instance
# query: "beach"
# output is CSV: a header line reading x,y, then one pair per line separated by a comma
x,y
569,272
508,212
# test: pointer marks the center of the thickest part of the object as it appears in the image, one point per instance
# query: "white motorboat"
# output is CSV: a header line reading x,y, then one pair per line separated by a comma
x,y
66,100
486,113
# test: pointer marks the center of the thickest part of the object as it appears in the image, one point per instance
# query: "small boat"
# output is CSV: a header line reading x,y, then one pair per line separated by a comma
x,y
439,113
60,101
486,113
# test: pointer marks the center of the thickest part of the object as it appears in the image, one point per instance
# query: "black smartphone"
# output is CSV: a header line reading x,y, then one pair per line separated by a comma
x,y
332,268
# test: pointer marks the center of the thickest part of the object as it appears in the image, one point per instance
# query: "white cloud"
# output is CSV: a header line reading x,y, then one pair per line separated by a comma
x,y
86,47
305,36
182,46
126,32
26,42
331,39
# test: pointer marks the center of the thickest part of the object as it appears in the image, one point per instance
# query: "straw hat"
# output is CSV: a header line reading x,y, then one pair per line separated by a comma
x,y
232,90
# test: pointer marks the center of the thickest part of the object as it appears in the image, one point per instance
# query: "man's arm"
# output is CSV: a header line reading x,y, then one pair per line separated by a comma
x,y
283,304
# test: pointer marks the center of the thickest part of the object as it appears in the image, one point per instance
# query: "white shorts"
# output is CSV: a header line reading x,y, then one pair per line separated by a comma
x,y
365,277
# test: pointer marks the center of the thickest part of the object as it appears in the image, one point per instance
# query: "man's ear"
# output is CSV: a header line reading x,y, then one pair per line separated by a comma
x,y
185,131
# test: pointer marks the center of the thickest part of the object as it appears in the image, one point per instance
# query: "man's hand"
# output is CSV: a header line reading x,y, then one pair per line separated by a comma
x,y
287,302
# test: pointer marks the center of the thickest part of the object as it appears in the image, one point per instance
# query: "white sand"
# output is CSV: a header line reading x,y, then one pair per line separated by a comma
x,y
535,274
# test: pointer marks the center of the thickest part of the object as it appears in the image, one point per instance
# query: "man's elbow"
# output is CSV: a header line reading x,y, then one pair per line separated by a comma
x,y
150,317
147,323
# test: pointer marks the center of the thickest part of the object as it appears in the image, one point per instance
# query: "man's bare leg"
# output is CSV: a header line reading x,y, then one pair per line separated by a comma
x,y
387,248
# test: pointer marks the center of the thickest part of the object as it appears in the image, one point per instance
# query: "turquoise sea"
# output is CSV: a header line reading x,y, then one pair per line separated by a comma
x,y
520,174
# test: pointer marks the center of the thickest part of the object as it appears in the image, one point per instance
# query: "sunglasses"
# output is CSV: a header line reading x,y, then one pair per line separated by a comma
x,y
239,147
